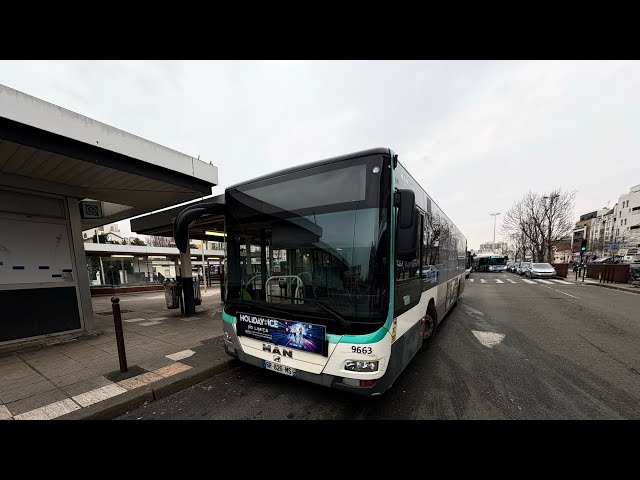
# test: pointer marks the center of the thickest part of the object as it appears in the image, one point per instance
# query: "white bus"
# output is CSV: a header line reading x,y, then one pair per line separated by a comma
x,y
356,268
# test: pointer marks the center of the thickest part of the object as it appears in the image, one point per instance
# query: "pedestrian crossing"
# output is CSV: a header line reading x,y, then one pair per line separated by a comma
x,y
535,281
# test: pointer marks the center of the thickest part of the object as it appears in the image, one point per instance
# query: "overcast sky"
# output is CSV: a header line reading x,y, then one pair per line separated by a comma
x,y
475,134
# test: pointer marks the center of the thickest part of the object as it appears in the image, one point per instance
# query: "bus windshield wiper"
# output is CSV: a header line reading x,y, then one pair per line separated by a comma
x,y
324,306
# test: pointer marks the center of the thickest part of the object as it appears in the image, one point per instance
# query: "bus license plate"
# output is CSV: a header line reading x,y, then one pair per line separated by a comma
x,y
277,367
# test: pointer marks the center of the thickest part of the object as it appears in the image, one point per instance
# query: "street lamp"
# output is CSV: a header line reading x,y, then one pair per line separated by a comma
x,y
494,215
546,209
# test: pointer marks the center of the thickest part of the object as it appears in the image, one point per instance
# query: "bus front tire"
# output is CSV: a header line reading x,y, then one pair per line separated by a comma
x,y
429,327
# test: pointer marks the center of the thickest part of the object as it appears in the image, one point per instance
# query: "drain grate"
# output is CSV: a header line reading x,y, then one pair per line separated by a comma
x,y
217,341
122,310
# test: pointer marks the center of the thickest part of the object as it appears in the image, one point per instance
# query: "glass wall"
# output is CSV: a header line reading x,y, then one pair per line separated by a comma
x,y
129,270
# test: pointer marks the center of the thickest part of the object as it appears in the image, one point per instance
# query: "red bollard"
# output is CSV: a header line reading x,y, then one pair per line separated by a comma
x,y
117,320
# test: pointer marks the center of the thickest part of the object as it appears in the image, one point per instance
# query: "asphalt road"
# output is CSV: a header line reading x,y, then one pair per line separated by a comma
x,y
550,351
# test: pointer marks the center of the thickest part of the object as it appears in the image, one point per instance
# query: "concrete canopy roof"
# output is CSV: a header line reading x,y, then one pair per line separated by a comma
x,y
49,149
161,223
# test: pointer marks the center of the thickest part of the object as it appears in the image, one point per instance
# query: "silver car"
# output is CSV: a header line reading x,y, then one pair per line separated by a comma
x,y
541,270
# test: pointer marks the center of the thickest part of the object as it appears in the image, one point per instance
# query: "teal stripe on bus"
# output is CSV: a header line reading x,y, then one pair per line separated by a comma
x,y
374,337
228,318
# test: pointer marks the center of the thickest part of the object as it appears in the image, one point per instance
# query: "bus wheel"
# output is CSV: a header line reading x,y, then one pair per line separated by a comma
x,y
429,327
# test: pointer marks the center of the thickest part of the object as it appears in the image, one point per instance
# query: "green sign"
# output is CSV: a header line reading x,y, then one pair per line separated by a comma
x,y
91,209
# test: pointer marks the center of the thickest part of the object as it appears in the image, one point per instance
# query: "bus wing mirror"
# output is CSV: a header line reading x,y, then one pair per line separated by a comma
x,y
407,239
405,200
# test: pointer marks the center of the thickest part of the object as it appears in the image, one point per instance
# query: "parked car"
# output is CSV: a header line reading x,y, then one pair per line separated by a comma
x,y
523,267
541,270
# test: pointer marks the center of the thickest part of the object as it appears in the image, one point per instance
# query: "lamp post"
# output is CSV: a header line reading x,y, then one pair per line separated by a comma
x,y
546,210
494,215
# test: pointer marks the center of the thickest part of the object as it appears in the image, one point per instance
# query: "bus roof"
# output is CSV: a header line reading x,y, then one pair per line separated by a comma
x,y
304,166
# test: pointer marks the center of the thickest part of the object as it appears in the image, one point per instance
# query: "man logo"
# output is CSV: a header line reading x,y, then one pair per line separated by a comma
x,y
276,351
276,358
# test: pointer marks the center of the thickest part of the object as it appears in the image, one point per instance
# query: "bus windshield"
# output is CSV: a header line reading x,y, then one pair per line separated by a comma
x,y
312,243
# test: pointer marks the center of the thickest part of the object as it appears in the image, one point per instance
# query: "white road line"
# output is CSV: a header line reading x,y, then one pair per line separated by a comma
x,y
499,281
53,410
562,282
5,414
146,324
134,320
528,281
471,280
509,280
180,355
488,339
99,394
473,310
482,280
545,281
560,291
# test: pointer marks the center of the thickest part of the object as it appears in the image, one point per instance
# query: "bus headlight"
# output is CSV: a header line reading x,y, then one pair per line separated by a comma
x,y
361,365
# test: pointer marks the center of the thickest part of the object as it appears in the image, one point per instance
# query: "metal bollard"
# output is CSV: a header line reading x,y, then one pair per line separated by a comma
x,y
117,320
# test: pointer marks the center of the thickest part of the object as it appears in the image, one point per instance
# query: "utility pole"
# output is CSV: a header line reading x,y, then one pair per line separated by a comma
x,y
546,210
204,270
494,215
102,280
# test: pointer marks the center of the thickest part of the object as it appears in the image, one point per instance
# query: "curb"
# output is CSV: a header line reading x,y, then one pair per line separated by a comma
x,y
115,406
613,287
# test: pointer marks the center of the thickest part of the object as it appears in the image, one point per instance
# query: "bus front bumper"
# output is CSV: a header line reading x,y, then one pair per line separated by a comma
x,y
232,347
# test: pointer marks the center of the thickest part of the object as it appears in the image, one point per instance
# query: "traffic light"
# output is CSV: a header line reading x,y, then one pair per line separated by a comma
x,y
583,245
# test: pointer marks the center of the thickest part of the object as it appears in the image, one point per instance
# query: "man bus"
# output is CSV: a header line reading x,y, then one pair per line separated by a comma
x,y
356,232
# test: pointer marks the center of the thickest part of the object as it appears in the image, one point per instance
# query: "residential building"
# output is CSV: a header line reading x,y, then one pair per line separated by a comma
x,y
627,226
582,230
499,247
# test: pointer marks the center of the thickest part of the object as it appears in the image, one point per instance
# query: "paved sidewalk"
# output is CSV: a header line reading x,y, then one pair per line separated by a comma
x,y
162,347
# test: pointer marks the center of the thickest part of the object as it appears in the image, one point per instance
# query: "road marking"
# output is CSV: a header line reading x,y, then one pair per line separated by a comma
x,y
528,281
146,324
53,410
180,355
562,282
499,281
473,310
139,380
509,280
134,320
471,280
482,280
99,394
488,339
560,291
5,414
170,370
545,281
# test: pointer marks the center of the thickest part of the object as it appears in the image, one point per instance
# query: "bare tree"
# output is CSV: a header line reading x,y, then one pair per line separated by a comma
x,y
536,223
155,241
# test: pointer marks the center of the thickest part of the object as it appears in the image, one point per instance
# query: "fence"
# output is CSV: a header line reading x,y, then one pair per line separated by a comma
x,y
562,269
609,273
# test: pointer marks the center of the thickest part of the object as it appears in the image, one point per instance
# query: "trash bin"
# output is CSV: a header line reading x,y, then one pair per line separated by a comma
x,y
172,294
197,298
